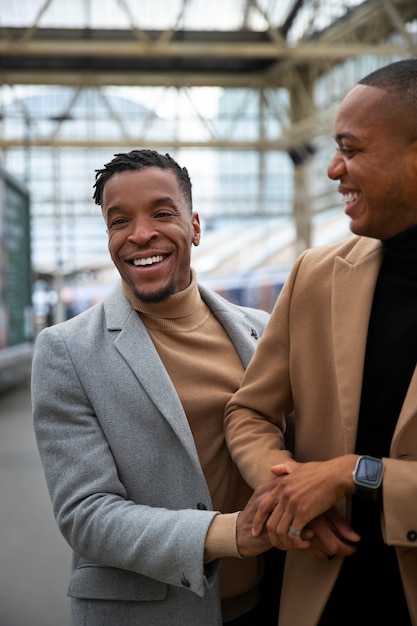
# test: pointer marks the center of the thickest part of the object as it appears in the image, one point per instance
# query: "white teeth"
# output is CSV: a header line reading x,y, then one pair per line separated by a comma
x,y
350,197
148,261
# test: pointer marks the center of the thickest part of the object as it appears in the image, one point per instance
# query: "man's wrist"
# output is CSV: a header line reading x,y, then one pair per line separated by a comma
x,y
221,538
367,477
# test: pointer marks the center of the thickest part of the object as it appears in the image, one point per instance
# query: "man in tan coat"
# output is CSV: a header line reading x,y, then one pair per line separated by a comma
x,y
340,352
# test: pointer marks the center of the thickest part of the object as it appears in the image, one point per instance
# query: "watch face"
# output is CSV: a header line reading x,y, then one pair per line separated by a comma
x,y
369,471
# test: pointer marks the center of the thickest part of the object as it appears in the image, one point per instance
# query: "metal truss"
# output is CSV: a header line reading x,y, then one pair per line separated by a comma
x,y
181,61
261,50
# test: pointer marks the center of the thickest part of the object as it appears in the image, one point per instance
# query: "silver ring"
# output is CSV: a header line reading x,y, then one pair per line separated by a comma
x,y
294,531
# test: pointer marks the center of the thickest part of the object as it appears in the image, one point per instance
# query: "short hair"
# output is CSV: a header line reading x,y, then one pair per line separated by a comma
x,y
399,80
137,160
398,75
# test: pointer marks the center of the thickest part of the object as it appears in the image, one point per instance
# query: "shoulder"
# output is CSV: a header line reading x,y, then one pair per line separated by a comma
x,y
112,313
78,323
109,314
80,333
352,250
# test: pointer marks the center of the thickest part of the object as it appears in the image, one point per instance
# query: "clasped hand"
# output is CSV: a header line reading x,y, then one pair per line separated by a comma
x,y
298,508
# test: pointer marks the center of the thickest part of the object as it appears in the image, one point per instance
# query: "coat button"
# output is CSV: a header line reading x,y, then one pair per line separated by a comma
x,y
201,506
185,582
412,535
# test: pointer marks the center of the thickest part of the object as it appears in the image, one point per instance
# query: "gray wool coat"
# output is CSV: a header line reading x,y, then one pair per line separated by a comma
x,y
123,473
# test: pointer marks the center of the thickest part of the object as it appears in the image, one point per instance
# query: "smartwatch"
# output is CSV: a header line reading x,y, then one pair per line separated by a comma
x,y
367,476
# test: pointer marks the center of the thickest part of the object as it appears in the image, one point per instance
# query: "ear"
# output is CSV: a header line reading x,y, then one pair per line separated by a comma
x,y
196,228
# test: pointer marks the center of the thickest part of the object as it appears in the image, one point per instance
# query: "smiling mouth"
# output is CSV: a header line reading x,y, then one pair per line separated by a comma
x,y
351,197
150,260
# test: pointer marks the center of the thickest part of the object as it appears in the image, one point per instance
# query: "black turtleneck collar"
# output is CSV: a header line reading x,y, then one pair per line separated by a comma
x,y
402,247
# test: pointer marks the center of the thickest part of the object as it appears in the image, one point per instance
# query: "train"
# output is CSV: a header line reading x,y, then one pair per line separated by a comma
x,y
258,288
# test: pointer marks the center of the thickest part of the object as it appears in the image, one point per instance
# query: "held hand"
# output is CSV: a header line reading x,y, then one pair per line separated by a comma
x,y
333,536
267,504
270,500
249,544
303,491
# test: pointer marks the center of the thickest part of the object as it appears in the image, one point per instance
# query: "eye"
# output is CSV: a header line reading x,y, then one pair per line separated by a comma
x,y
119,221
164,213
346,151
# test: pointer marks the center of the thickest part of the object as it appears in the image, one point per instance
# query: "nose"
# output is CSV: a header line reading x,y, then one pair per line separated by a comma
x,y
143,230
336,167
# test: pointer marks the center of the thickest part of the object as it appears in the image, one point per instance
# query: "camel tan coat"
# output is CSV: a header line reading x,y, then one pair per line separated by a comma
x,y
310,360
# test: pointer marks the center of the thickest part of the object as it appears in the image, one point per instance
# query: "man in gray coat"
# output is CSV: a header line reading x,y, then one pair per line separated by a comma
x,y
128,401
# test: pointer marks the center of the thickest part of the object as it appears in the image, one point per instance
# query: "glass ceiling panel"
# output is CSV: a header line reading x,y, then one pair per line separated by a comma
x,y
229,183
176,14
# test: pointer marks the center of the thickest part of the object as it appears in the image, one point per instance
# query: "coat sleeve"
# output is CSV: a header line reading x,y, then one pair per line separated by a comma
x,y
91,504
399,520
258,410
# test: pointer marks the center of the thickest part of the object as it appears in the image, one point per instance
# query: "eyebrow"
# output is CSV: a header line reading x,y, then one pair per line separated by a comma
x,y
155,203
163,200
345,135
111,210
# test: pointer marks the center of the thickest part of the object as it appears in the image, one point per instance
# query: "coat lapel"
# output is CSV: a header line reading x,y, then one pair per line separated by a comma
x,y
354,284
405,434
137,349
242,334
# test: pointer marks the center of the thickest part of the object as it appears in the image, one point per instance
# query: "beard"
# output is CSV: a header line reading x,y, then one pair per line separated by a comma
x,y
156,296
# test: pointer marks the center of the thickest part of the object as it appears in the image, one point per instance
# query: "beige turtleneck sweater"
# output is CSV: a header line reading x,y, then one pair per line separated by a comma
x,y
206,370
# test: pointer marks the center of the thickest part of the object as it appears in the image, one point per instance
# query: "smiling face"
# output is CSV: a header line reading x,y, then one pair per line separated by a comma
x,y
376,164
151,230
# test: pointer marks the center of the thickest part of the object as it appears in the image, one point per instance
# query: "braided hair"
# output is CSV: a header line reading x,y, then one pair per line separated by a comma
x,y
137,160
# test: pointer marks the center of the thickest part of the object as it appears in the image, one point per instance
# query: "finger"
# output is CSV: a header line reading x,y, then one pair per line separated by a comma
x,y
272,525
315,551
307,533
295,531
258,523
324,535
265,507
300,538
341,528
279,524
345,549
280,469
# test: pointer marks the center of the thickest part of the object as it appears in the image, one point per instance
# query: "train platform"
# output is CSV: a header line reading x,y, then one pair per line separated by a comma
x,y
35,560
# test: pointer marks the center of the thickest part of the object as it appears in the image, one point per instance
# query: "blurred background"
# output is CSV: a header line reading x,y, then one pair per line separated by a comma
x,y
241,92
